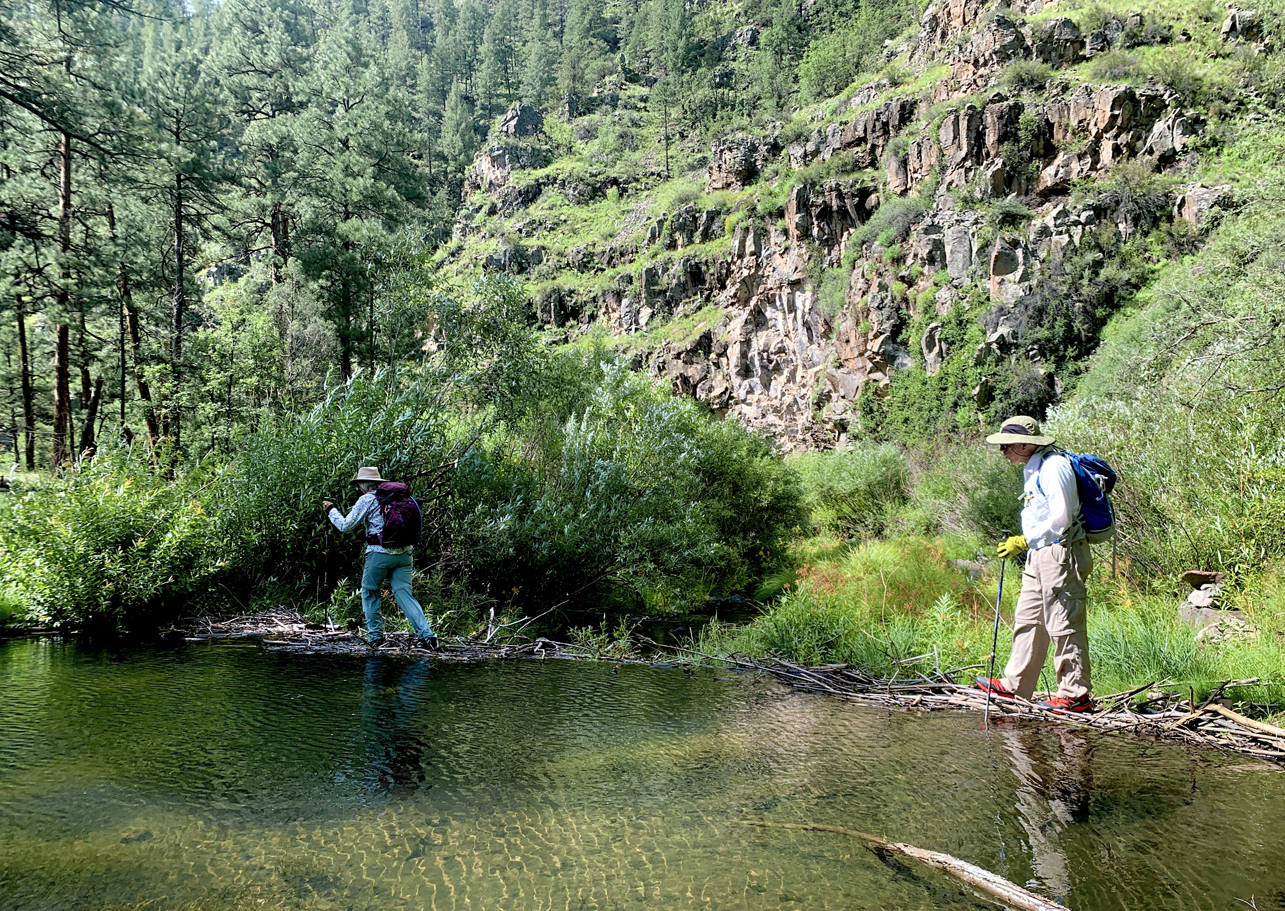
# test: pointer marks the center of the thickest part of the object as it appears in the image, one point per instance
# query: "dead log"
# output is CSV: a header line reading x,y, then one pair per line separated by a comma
x,y
990,884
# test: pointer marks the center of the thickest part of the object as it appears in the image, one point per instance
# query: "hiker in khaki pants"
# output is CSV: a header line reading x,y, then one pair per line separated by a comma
x,y
1052,603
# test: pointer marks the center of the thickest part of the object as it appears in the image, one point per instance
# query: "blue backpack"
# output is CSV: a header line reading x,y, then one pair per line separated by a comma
x,y
1094,481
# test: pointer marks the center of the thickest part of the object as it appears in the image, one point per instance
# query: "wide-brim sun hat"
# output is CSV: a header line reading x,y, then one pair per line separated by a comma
x,y
367,473
1020,429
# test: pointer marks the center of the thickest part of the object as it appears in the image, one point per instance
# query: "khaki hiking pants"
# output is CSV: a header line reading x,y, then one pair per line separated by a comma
x,y
1052,606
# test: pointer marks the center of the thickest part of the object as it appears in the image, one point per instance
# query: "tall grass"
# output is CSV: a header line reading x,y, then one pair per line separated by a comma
x,y
900,608
873,606
852,491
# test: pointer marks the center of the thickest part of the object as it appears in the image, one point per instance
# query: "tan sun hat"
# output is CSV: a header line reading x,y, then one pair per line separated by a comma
x,y
367,473
1020,429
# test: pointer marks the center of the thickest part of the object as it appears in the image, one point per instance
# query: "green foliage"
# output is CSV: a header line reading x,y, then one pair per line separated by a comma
x,y
837,57
892,221
853,490
1026,75
877,607
403,420
832,291
959,488
647,502
118,545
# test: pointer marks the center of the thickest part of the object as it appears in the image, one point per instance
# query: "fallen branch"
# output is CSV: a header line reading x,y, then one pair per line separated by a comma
x,y
1246,722
993,885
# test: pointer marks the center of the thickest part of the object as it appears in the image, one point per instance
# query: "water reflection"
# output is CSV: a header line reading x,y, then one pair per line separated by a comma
x,y
1055,775
395,748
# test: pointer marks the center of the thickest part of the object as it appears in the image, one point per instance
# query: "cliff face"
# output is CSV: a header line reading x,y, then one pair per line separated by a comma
x,y
934,172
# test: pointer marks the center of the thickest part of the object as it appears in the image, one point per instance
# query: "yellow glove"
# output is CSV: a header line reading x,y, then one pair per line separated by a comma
x,y
1013,546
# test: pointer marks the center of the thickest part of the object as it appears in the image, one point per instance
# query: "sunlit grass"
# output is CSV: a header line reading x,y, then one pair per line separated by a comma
x,y
899,607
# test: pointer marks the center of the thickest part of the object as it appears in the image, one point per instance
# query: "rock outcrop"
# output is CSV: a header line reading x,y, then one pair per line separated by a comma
x,y
899,253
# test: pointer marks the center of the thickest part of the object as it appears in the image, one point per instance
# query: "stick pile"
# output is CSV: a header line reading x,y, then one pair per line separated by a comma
x,y
1158,712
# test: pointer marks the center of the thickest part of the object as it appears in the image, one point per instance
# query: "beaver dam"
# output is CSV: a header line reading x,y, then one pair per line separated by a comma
x,y
230,773
1154,710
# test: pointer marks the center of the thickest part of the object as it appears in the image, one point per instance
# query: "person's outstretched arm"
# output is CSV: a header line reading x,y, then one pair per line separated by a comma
x,y
365,503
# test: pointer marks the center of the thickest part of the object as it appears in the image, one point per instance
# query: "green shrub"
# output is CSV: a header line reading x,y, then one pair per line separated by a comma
x,y
876,607
117,545
891,222
966,489
1026,75
649,502
1114,66
852,491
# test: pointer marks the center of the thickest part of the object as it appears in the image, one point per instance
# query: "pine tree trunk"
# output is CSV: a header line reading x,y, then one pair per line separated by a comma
x,y
62,350
28,399
130,317
173,422
88,433
280,242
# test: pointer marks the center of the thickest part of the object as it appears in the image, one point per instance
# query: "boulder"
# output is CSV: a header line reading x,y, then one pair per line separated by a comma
x,y
959,251
933,349
996,43
735,162
928,246
1169,136
1196,205
521,120
1242,25
1010,268
898,175
1061,43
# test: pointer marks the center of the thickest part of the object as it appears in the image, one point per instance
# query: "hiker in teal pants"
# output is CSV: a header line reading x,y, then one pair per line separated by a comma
x,y
382,563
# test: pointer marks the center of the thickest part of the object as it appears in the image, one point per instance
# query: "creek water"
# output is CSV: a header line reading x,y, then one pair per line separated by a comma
x,y
219,776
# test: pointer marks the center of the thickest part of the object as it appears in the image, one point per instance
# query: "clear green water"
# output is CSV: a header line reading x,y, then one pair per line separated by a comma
x,y
220,777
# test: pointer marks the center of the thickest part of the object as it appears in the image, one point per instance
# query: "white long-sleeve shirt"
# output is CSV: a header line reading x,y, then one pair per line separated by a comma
x,y
1050,500
366,509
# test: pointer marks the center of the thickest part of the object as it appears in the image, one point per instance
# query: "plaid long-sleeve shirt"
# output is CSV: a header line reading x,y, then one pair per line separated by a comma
x,y
367,510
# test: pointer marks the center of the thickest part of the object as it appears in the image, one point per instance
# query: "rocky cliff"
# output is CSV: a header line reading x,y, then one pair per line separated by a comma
x,y
966,200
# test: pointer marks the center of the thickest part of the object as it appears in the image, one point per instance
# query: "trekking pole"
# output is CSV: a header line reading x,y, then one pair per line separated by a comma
x,y
325,576
994,644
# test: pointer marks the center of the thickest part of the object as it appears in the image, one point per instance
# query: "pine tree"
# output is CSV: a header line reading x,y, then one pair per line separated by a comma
x,y
185,181
459,136
497,82
539,55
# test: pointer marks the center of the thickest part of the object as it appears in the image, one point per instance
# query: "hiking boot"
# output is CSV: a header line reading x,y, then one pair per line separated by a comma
x,y
427,643
375,642
995,687
1067,704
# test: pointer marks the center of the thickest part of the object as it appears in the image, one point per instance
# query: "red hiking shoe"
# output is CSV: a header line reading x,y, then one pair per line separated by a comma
x,y
995,687
1067,704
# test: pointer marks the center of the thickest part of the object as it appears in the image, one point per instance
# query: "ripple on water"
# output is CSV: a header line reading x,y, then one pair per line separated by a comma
x,y
243,778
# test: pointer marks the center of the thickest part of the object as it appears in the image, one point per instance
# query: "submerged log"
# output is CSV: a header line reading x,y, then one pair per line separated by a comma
x,y
990,884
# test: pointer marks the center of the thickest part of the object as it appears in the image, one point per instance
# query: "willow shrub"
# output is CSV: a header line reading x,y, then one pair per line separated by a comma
x,y
648,504
116,545
269,498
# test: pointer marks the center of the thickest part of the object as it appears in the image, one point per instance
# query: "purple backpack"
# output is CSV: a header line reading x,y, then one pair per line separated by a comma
x,y
402,521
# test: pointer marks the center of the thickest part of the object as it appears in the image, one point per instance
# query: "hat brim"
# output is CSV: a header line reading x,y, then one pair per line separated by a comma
x,y
999,439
